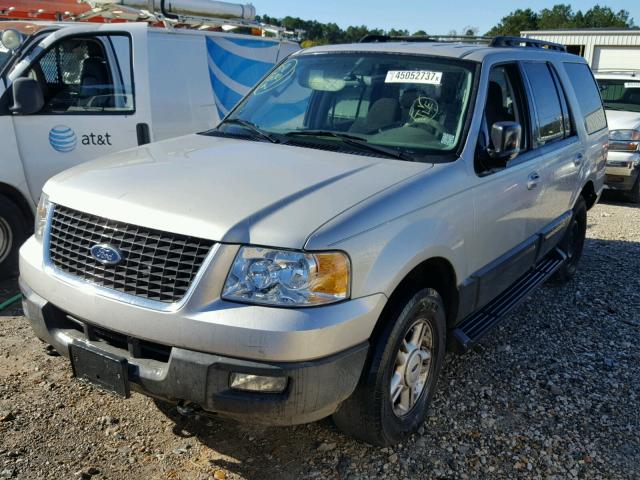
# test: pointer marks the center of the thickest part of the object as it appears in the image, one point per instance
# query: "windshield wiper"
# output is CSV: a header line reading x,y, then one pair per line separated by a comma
x,y
250,126
353,140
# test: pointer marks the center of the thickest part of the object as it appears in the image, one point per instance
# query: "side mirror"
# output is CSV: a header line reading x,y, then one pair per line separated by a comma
x,y
27,96
505,137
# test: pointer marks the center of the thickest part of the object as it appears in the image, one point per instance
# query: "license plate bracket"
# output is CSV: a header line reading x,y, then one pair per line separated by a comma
x,y
100,368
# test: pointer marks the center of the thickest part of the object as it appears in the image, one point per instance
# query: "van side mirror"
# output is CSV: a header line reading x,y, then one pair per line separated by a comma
x,y
505,137
27,96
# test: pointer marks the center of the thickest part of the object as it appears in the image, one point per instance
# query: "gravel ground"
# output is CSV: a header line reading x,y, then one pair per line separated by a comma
x,y
552,393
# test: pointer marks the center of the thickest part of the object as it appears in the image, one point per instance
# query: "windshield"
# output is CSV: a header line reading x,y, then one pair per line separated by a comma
x,y
413,106
620,94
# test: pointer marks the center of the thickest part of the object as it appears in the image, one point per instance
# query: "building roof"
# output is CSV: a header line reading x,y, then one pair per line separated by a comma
x,y
584,31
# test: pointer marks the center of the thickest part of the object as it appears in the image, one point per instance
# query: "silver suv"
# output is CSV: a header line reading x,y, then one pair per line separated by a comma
x,y
363,209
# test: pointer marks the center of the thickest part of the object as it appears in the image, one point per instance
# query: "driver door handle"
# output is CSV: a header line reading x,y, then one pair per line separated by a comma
x,y
532,181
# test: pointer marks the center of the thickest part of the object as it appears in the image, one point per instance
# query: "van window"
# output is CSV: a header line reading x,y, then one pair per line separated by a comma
x,y
588,96
86,75
546,100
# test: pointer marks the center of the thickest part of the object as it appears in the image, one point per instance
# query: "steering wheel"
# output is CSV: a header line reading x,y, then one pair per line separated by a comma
x,y
422,112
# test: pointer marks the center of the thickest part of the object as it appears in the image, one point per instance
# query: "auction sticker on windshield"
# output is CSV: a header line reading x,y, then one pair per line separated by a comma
x,y
632,85
414,76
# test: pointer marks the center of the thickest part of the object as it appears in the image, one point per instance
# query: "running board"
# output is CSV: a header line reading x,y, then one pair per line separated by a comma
x,y
476,325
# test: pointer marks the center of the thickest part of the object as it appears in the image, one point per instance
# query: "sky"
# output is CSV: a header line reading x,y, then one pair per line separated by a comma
x,y
435,17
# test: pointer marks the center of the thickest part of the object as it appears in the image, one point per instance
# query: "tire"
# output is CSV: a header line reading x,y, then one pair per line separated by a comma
x,y
13,233
573,242
370,414
634,194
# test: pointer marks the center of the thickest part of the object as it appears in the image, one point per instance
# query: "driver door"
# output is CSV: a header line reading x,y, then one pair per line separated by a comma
x,y
89,105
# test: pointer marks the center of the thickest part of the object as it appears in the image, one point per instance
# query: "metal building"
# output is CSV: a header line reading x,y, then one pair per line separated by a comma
x,y
604,49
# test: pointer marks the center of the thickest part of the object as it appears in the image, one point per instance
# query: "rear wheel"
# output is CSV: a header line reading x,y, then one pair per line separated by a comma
x,y
13,233
392,397
572,243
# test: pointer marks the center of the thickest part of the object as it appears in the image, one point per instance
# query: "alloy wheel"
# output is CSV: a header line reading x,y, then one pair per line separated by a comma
x,y
411,368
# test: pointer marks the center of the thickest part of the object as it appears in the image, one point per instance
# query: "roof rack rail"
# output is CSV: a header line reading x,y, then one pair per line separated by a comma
x,y
374,38
504,41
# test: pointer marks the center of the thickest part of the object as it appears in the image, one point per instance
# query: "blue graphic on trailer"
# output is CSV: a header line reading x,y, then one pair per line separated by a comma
x,y
236,65
63,139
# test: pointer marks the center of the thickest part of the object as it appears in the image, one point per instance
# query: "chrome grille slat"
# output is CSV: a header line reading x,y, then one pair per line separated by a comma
x,y
157,265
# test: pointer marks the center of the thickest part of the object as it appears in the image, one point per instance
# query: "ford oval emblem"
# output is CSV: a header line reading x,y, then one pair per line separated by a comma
x,y
106,254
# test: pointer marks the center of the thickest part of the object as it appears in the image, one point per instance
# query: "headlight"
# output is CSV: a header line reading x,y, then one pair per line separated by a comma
x,y
624,140
41,215
288,278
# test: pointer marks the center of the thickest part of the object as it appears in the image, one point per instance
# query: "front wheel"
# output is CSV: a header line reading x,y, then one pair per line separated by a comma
x,y
394,392
13,233
573,242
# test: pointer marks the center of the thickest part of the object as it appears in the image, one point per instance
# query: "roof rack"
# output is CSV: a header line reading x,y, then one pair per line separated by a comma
x,y
374,38
118,12
503,41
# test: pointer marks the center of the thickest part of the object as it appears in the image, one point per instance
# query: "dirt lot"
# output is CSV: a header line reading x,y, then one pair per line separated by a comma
x,y
553,393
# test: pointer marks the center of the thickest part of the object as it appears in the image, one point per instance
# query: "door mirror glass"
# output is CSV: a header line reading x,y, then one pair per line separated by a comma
x,y
27,97
505,138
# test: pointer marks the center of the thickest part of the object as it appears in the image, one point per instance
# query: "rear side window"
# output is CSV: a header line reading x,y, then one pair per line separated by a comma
x,y
588,96
546,99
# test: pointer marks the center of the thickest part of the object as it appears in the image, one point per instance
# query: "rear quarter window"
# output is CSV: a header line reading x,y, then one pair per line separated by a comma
x,y
588,96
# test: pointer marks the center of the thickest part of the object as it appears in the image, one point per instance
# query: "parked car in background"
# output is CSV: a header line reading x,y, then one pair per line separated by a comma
x,y
71,92
620,92
361,209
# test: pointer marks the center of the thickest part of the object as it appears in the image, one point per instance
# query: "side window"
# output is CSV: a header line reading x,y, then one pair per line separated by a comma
x,y
549,114
504,104
87,75
588,96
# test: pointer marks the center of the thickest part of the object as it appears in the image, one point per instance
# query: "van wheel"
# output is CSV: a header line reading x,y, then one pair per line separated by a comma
x,y
395,389
634,193
573,242
13,233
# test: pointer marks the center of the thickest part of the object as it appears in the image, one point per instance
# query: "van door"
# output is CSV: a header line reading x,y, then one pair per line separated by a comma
x,y
90,104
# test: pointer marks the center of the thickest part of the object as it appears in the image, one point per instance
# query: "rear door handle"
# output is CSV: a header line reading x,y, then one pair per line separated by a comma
x,y
532,181
578,160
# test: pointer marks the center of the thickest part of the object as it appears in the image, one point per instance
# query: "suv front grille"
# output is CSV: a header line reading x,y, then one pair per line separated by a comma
x,y
156,265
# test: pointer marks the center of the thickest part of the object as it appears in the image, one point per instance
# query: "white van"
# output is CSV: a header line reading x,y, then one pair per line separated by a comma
x,y
71,92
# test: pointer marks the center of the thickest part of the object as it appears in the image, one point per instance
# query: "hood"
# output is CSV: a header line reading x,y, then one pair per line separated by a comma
x,y
618,120
227,190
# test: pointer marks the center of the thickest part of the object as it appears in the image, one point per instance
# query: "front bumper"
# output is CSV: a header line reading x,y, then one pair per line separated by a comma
x,y
315,388
206,323
622,170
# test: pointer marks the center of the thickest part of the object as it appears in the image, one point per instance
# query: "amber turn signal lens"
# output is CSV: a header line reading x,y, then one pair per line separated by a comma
x,y
333,276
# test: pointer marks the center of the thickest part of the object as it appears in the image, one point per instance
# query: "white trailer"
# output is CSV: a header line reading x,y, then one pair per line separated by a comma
x,y
604,49
72,92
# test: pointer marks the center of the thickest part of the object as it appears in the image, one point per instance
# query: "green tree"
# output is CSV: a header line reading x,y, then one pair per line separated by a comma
x,y
557,17
602,17
420,33
561,16
516,22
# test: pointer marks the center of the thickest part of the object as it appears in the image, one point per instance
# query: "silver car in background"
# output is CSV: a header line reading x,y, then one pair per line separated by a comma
x,y
620,92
